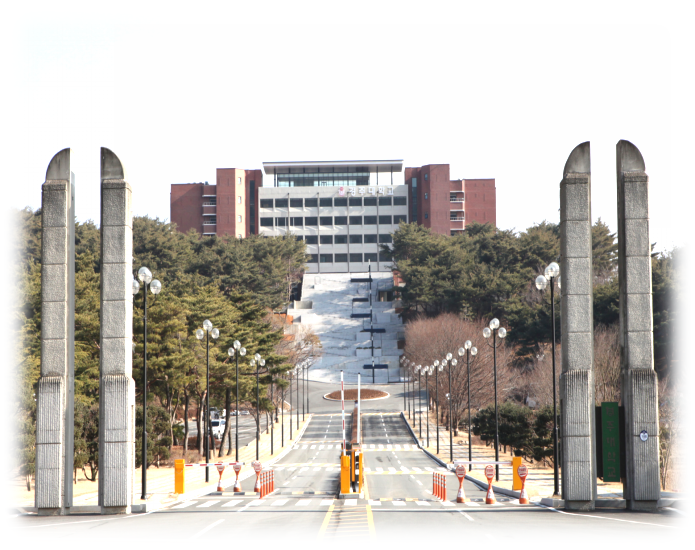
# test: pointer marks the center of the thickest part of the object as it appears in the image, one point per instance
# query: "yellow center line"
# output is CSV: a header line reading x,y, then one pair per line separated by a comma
x,y
329,513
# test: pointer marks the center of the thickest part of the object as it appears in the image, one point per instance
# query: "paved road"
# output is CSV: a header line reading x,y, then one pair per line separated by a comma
x,y
398,507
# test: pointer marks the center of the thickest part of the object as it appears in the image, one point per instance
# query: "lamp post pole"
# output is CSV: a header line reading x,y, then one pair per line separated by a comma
x,y
495,330
427,404
257,363
469,350
235,351
419,392
145,277
552,272
451,431
290,375
437,368
207,331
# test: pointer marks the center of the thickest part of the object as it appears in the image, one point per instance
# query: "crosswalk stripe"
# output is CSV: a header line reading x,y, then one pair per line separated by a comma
x,y
422,503
313,447
184,504
304,446
280,502
398,503
471,504
304,502
351,502
207,504
231,503
317,469
375,503
326,502
256,502
447,503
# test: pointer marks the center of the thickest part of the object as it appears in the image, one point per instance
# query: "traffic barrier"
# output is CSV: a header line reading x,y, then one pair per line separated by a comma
x,y
522,470
237,485
267,483
489,474
439,485
461,475
180,472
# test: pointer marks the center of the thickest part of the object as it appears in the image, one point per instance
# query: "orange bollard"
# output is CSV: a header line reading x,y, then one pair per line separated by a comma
x,y
461,475
489,474
523,472
220,469
443,487
272,480
237,485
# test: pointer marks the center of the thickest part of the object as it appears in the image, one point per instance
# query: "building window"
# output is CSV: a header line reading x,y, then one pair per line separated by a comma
x,y
400,201
326,258
340,201
266,203
296,203
238,219
385,238
340,258
370,220
356,258
384,201
370,201
311,239
355,239
311,203
210,220
426,215
311,221
425,196
426,175
210,201
280,203
355,201
355,220
326,202
299,237
400,218
340,220
326,239
280,222
463,196
297,221
326,220
313,259
266,222
386,220
452,197
238,181
368,239
370,256
239,199
340,239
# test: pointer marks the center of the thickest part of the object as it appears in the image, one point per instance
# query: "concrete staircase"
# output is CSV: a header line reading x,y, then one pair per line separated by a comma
x,y
327,306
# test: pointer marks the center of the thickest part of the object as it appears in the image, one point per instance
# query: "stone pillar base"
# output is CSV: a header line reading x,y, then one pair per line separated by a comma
x,y
112,510
52,511
580,505
642,505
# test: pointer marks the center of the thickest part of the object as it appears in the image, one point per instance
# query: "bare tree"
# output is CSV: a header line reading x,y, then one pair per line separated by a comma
x,y
432,338
669,434
606,364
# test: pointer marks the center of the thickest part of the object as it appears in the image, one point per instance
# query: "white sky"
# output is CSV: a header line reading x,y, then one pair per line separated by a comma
x,y
176,95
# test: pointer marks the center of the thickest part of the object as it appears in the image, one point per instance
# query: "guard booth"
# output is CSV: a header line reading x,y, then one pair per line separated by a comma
x,y
352,463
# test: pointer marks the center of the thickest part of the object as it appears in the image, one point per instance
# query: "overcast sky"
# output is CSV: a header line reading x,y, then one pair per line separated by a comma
x,y
176,95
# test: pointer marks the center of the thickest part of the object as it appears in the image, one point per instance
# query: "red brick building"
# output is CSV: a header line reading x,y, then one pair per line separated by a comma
x,y
229,207
447,206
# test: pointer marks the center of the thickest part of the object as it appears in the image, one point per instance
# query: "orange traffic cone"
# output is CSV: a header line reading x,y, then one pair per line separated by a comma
x,y
490,497
220,469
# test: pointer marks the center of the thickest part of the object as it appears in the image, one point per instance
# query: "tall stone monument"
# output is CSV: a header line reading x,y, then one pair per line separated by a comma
x,y
116,385
577,378
56,389
639,382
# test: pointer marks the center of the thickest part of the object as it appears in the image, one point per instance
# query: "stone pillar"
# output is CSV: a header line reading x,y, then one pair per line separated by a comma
x,y
116,385
641,486
55,401
577,379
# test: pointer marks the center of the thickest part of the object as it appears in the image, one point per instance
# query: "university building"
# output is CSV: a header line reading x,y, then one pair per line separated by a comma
x,y
343,210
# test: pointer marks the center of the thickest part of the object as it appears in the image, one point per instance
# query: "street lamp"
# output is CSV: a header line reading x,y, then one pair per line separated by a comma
x,y
236,346
469,349
145,277
256,362
428,371
207,331
495,330
552,272
438,369
418,370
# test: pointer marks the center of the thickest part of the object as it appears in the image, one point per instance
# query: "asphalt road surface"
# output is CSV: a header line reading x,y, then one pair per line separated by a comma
x,y
398,505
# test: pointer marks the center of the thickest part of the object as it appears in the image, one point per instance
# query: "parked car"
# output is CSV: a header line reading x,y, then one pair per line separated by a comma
x,y
217,428
244,412
214,413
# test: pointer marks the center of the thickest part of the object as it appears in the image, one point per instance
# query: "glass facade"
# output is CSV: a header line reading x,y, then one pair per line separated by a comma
x,y
320,179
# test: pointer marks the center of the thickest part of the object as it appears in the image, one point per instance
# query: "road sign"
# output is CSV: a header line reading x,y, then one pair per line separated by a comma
x,y
220,468
257,466
522,471
489,472
460,471
237,467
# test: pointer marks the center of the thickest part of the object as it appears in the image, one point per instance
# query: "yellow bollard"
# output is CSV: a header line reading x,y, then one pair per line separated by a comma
x,y
344,474
516,484
179,476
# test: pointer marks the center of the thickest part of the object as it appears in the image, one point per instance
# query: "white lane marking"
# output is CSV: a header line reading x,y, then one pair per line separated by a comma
x,y
317,469
447,503
280,502
388,447
231,503
322,446
202,532
313,447
295,448
184,504
471,504
371,446
599,517
303,469
419,482
330,469
392,469
422,503
379,469
207,504
429,469
350,502
303,502
465,515
256,502
398,503
399,462
326,502
398,447
375,503
304,446
367,469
